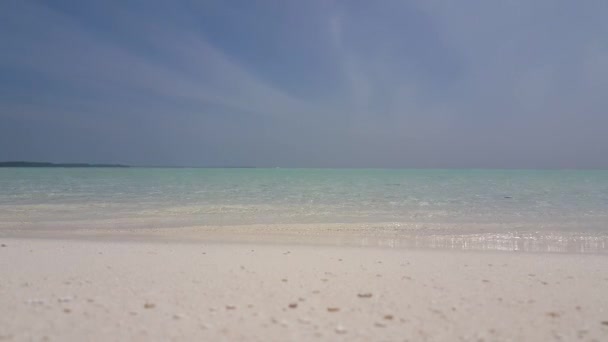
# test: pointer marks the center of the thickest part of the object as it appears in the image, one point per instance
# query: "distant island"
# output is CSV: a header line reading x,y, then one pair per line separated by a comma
x,y
43,164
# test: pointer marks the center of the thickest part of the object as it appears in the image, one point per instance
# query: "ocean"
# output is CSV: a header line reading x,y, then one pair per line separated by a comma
x,y
566,205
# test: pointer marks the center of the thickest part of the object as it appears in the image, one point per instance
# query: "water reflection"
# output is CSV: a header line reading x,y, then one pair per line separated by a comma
x,y
511,242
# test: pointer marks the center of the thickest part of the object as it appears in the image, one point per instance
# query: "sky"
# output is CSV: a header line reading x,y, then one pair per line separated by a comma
x,y
316,83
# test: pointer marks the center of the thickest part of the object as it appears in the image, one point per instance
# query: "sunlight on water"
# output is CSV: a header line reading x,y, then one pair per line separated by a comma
x,y
495,202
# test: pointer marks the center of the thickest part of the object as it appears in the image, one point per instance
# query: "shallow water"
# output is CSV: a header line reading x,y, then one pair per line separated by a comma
x,y
456,202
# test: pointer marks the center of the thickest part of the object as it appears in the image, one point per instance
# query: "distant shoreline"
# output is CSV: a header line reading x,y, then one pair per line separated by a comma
x,y
44,164
85,165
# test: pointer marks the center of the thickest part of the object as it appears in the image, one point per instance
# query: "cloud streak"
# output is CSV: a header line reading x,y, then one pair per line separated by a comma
x,y
329,84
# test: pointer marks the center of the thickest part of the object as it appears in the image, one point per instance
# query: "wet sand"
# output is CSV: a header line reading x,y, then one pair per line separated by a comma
x,y
473,237
111,289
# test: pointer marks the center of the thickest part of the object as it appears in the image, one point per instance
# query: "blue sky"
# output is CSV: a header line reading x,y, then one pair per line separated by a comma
x,y
498,84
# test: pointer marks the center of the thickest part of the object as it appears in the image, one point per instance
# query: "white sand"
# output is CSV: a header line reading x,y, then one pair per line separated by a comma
x,y
77,290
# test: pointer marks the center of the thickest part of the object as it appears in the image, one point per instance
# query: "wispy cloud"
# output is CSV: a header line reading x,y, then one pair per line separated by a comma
x,y
397,83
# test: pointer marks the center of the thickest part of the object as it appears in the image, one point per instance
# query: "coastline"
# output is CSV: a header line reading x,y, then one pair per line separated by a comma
x,y
482,237
144,286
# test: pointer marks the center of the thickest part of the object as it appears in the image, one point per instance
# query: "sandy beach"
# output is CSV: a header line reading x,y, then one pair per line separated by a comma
x,y
303,171
59,289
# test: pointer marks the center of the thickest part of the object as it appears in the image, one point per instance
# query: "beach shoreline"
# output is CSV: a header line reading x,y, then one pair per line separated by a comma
x,y
383,235
160,289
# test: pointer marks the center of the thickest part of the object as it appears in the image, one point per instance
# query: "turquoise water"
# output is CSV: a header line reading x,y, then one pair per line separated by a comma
x,y
502,200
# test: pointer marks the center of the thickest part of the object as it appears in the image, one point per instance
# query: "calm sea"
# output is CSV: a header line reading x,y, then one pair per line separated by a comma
x,y
420,201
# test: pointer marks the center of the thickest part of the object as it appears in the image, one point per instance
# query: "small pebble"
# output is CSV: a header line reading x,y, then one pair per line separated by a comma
x,y
293,305
66,310
388,317
340,329
149,306
604,322
3,245
365,295
333,309
230,307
